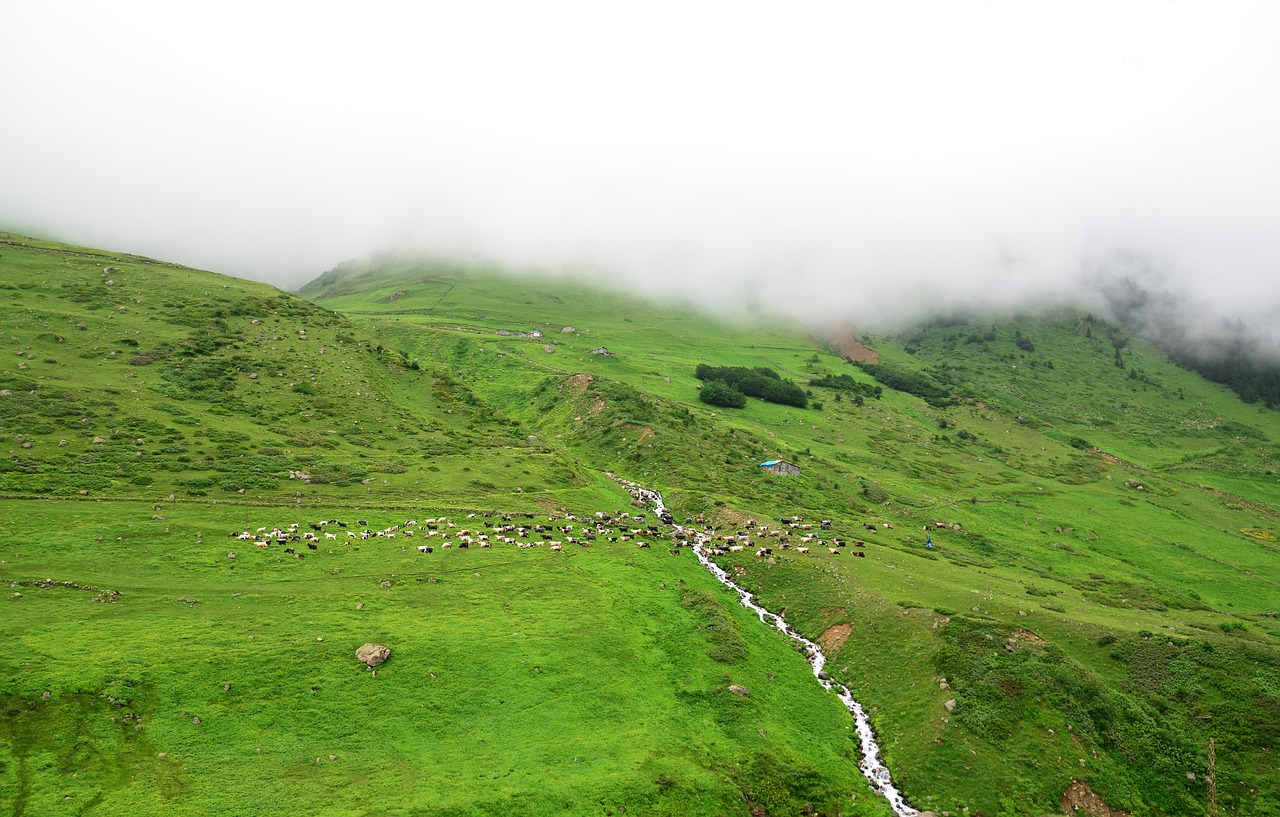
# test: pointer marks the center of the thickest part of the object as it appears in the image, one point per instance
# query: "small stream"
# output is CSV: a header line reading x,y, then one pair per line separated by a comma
x,y
873,768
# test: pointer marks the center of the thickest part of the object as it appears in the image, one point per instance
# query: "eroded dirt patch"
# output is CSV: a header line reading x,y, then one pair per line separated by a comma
x,y
833,637
850,347
1079,799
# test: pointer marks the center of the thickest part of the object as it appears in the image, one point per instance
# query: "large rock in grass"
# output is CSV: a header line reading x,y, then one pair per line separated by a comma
x,y
373,654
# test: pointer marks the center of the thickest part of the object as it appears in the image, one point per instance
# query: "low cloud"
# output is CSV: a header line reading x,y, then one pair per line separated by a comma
x,y
837,162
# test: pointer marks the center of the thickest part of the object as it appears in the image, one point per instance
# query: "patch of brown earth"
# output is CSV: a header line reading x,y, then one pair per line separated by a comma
x,y
1080,799
597,405
1111,458
645,434
849,346
833,637
1020,637
580,382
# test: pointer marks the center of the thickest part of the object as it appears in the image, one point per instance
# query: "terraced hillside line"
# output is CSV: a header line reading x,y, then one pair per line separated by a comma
x,y
872,767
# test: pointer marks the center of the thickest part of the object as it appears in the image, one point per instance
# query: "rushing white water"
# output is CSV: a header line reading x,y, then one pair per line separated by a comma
x,y
873,768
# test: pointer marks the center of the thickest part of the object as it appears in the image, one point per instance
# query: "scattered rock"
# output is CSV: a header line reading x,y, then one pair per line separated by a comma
x,y
333,757
950,705
360,605
740,691
373,655
196,720
163,755
943,685
46,695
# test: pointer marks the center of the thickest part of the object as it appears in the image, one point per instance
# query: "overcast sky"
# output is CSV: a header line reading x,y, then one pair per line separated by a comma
x,y
847,159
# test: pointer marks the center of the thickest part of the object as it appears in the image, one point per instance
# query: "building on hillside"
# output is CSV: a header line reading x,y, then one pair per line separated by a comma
x,y
780,467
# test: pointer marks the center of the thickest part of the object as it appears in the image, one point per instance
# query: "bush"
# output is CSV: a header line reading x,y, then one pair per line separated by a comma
x,y
758,382
720,393
911,382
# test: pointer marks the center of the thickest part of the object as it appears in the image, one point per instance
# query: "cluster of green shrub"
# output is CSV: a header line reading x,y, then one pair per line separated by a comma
x,y
917,383
730,386
844,382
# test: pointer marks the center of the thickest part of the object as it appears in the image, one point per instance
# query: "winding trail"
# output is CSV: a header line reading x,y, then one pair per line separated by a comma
x,y
872,767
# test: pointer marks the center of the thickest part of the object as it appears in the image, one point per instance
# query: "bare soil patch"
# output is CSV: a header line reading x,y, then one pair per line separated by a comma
x,y
833,637
850,347
1080,799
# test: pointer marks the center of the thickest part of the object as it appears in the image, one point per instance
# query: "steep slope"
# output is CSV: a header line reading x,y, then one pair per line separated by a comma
x,y
129,376
1100,601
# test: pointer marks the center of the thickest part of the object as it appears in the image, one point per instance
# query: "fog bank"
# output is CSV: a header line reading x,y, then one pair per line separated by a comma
x,y
853,161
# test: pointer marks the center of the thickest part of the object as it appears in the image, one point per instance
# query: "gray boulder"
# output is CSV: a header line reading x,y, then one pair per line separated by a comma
x,y
373,654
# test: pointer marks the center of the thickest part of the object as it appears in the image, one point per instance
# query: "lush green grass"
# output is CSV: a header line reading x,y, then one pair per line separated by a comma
x,y
520,679
1127,521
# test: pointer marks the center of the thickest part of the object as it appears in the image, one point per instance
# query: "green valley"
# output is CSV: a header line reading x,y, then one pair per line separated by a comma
x,y
1070,587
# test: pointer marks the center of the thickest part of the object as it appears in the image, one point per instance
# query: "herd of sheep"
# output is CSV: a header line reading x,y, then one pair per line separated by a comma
x,y
521,530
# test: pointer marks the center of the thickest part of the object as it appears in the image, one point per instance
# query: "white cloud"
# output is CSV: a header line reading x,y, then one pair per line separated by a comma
x,y
842,158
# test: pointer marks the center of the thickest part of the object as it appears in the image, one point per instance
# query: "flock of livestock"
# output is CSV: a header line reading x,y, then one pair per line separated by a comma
x,y
484,530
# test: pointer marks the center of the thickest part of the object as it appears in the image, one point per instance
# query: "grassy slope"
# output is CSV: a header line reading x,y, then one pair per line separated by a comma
x,y
1152,601
171,380
520,679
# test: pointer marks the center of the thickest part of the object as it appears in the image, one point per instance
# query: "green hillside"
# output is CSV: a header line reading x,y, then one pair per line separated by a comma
x,y
1096,600
156,660
1119,508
